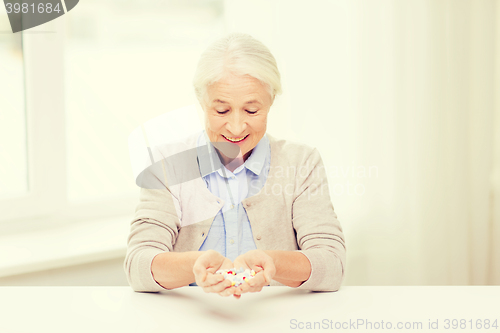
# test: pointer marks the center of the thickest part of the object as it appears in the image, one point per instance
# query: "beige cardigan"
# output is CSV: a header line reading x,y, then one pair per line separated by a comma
x,y
292,212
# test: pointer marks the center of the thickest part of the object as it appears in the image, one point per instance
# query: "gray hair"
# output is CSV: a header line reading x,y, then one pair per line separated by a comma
x,y
238,54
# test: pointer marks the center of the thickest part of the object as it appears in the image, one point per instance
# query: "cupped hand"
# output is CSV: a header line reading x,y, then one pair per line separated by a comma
x,y
262,264
204,270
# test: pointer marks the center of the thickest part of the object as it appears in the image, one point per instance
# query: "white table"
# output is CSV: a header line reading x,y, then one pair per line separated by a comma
x,y
275,309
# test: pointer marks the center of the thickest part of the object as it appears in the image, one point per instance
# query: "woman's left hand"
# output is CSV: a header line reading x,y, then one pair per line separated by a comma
x,y
262,264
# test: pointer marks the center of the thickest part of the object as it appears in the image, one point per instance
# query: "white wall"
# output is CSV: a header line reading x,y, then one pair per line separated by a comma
x,y
101,273
404,87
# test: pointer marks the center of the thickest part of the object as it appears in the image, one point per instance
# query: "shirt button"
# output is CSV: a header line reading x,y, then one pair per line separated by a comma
x,y
232,206
231,241
258,237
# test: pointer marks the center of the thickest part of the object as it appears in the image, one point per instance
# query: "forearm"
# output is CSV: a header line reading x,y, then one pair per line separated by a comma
x,y
174,269
292,268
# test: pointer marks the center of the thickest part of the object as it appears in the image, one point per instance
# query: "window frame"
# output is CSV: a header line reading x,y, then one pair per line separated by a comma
x,y
46,199
43,77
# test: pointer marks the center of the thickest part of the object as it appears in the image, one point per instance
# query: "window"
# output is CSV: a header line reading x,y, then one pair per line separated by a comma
x,y
91,77
34,119
13,153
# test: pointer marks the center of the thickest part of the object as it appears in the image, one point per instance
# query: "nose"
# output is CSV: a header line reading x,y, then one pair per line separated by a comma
x,y
236,124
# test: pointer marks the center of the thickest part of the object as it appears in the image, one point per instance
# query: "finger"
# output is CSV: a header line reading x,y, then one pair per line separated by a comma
x,y
255,284
269,269
244,287
228,291
257,289
237,291
269,274
211,280
219,287
200,273
226,264
259,278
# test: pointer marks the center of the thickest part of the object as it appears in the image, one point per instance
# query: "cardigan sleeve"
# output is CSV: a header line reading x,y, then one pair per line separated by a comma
x,y
319,233
153,230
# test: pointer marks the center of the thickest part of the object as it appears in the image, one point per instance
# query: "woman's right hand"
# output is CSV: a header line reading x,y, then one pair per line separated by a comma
x,y
204,270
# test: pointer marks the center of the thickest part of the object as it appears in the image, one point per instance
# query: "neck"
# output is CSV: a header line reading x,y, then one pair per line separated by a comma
x,y
233,163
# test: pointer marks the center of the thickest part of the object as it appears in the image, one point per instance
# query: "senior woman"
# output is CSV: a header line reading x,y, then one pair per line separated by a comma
x,y
267,200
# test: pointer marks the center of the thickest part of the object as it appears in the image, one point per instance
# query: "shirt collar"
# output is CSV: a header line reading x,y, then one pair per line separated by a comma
x,y
255,162
209,162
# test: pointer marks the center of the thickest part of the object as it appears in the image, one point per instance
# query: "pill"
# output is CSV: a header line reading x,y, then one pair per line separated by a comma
x,y
237,276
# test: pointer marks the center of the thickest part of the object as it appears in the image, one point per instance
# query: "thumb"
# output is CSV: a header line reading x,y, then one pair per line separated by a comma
x,y
268,277
239,263
200,272
227,264
269,270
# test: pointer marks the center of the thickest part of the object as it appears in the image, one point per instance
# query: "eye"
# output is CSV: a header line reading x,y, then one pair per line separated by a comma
x,y
251,112
222,112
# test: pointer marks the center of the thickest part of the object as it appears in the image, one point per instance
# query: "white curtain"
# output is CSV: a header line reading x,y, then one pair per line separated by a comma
x,y
401,98
494,274
445,114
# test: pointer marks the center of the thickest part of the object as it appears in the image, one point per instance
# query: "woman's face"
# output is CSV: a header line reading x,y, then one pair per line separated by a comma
x,y
236,109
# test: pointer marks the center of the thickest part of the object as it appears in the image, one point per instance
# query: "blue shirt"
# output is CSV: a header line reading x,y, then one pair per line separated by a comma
x,y
231,233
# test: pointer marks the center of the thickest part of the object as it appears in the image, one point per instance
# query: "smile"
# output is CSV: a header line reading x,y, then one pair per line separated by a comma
x,y
235,139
